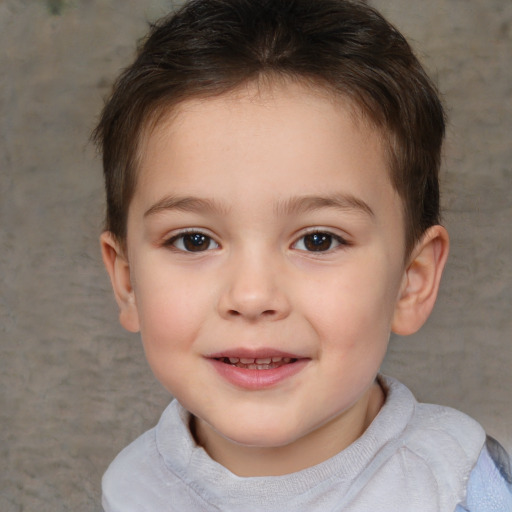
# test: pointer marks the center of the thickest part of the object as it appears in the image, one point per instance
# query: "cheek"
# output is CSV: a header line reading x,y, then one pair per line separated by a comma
x,y
354,305
171,310
171,316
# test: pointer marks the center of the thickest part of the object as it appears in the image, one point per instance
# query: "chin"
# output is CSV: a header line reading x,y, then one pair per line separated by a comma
x,y
261,436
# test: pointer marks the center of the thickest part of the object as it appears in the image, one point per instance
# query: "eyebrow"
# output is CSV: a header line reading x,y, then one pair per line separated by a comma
x,y
292,206
304,204
185,204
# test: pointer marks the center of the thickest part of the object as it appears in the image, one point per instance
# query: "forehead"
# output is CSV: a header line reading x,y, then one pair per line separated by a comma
x,y
284,138
297,106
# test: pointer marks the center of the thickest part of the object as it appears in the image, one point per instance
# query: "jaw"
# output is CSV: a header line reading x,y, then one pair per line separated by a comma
x,y
261,452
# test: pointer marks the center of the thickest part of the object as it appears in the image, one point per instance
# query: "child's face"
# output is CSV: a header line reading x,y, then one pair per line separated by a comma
x,y
265,227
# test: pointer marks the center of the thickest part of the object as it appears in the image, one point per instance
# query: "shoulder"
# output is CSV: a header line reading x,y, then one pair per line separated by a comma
x,y
441,435
436,450
130,473
451,450
138,477
444,434
490,482
447,443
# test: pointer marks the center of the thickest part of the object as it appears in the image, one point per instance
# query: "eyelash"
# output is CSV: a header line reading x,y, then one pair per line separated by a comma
x,y
323,236
187,236
188,241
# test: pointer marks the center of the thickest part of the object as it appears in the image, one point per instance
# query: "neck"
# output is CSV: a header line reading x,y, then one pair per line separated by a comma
x,y
310,450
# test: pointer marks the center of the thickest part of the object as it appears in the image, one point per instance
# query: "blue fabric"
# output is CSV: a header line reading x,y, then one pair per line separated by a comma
x,y
490,483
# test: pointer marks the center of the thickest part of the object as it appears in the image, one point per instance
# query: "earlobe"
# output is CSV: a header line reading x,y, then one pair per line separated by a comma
x,y
118,268
421,281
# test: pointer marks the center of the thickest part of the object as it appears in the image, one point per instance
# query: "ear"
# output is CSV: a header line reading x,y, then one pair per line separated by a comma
x,y
118,268
421,280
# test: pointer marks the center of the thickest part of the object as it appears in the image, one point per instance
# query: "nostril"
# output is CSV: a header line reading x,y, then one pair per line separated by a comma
x,y
265,313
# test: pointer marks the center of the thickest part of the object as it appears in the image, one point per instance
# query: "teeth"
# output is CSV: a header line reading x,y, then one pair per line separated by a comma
x,y
260,363
260,360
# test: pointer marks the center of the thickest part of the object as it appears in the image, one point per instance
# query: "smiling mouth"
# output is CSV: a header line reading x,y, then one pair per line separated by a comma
x,y
263,363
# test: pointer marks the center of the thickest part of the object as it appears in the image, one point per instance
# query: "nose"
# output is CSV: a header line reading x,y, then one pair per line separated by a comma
x,y
254,290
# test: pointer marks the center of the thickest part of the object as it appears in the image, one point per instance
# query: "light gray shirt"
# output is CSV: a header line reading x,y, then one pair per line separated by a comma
x,y
413,457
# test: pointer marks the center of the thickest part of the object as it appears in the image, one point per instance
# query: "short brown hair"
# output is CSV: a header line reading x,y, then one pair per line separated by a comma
x,y
211,47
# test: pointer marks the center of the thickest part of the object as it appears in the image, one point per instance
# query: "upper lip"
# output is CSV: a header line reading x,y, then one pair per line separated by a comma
x,y
248,353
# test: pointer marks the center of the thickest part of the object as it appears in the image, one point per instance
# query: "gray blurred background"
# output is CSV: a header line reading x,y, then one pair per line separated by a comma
x,y
75,388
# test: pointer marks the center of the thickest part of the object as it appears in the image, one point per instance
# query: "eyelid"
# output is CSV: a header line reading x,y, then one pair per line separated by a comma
x,y
342,240
168,240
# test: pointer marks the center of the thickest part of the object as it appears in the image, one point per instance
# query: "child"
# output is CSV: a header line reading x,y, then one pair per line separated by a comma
x,y
273,214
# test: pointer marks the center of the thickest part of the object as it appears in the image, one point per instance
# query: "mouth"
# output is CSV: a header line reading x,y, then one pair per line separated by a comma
x,y
260,363
257,371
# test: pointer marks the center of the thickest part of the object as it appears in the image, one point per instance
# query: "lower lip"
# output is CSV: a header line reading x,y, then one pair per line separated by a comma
x,y
257,379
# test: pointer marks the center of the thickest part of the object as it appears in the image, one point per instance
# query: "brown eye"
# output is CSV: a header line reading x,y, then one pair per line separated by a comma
x,y
318,242
193,242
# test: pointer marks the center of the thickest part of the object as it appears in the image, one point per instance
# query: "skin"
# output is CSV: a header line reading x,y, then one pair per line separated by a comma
x,y
255,173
